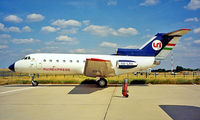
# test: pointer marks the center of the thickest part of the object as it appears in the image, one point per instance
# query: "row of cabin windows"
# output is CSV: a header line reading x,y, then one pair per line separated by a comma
x,y
62,61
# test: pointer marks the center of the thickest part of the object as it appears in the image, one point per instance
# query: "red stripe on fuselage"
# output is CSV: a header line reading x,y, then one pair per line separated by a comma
x,y
171,44
96,59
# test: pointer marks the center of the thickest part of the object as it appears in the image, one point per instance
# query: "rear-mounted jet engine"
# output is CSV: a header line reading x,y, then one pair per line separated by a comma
x,y
126,64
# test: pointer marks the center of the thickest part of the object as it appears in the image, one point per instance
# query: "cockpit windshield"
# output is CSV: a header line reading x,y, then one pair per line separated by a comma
x,y
26,58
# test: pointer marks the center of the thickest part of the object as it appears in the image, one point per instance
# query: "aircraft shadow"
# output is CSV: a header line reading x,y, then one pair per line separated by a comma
x,y
182,112
85,89
40,85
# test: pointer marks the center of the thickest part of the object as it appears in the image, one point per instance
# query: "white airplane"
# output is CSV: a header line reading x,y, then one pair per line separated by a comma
x,y
101,66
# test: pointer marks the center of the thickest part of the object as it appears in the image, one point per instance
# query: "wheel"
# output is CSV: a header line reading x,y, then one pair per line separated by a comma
x,y
102,82
34,83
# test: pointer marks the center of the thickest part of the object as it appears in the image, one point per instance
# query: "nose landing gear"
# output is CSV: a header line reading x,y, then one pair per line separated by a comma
x,y
34,83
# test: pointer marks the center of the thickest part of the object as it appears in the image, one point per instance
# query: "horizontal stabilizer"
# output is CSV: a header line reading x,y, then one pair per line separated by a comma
x,y
176,35
180,32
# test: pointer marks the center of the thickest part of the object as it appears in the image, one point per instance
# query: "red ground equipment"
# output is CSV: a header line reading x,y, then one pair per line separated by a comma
x,y
125,88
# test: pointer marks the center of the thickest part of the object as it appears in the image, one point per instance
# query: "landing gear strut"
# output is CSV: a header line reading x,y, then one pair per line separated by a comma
x,y
102,82
34,83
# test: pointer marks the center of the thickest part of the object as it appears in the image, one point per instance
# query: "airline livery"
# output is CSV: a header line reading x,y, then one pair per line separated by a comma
x,y
101,66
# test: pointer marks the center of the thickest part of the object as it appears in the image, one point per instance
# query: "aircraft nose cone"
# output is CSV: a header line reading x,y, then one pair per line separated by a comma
x,y
12,67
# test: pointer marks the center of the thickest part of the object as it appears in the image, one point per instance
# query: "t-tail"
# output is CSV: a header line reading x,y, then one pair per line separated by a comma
x,y
159,46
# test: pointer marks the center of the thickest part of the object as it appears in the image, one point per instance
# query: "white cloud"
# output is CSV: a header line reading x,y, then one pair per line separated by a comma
x,y
3,46
85,51
127,31
99,30
149,2
66,23
79,50
188,38
111,2
24,41
51,47
62,42
131,47
147,36
196,30
26,29
34,17
64,38
108,44
10,29
193,5
69,31
14,29
197,41
194,19
29,50
13,18
47,29
86,22
3,28
4,36
105,31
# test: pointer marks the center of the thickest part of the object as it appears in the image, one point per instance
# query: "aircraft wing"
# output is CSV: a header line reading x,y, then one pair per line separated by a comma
x,y
98,68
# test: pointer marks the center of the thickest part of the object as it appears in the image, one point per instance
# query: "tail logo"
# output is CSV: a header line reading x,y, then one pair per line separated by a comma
x,y
157,45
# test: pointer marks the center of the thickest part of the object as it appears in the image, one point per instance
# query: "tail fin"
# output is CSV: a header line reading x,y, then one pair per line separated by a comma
x,y
175,37
159,46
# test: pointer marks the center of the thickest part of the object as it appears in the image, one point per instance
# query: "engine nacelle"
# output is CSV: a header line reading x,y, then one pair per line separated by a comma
x,y
126,64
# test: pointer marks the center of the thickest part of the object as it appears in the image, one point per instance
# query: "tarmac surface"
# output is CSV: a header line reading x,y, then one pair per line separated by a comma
x,y
87,102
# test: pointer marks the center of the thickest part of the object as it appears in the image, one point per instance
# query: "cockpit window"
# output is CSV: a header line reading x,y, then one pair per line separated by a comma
x,y
26,58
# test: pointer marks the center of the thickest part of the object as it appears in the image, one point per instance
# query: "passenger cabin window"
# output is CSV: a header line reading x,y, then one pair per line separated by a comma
x,y
77,61
50,60
64,60
70,61
44,60
57,60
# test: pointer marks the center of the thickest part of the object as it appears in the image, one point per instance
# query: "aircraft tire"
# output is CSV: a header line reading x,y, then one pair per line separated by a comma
x,y
34,83
102,82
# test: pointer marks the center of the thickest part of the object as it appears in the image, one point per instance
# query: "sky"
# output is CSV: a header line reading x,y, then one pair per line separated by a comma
x,y
96,27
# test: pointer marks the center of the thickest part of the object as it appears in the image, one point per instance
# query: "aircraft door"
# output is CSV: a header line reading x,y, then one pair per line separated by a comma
x,y
39,65
32,65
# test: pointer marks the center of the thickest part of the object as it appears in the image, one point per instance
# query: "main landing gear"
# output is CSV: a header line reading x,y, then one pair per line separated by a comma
x,y
34,83
101,82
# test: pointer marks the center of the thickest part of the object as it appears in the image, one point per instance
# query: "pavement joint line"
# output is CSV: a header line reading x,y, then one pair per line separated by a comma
x,y
16,90
109,103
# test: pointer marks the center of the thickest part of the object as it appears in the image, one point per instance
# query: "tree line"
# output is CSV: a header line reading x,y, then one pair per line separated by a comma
x,y
178,69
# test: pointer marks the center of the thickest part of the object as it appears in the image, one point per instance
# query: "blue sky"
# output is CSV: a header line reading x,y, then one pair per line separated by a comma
x,y
96,27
